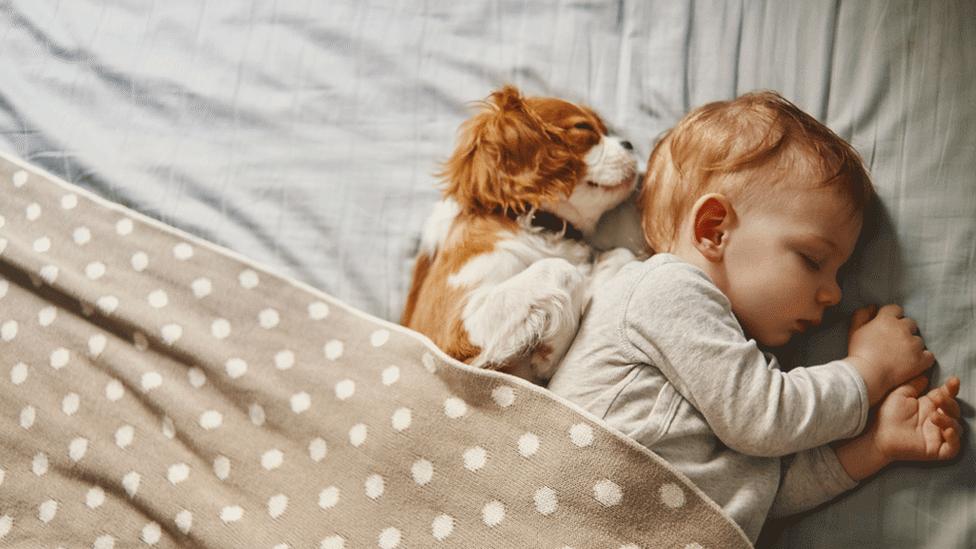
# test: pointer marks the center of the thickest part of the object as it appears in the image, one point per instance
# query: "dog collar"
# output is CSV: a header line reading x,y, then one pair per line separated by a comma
x,y
551,222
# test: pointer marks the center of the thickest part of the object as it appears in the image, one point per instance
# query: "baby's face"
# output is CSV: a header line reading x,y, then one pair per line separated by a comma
x,y
781,263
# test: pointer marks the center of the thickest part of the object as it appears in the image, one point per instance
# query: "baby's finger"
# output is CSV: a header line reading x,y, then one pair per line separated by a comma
x,y
892,310
942,399
953,385
943,421
911,324
861,317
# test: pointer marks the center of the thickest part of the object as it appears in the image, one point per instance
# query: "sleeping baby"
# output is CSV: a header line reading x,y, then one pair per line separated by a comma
x,y
753,207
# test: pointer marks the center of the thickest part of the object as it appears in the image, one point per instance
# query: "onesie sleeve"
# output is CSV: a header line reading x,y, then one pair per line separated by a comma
x,y
680,322
811,478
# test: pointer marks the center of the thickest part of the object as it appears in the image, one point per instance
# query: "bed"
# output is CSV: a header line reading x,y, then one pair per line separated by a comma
x,y
303,137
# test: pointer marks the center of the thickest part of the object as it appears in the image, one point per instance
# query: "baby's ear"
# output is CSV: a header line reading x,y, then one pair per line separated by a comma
x,y
507,160
712,216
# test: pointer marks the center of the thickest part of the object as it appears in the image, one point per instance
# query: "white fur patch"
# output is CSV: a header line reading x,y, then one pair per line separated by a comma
x,y
438,225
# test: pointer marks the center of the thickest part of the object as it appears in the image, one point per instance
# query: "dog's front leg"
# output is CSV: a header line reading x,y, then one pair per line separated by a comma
x,y
539,306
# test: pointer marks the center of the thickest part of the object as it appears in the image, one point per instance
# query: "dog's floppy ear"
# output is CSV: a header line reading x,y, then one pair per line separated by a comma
x,y
509,159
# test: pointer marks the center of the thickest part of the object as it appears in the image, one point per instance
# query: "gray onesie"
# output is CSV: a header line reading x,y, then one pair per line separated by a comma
x,y
660,356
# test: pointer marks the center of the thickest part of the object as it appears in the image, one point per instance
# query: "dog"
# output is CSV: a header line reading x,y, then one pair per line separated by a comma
x,y
503,271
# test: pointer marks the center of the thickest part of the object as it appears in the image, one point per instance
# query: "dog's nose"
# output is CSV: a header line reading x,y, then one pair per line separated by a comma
x,y
627,145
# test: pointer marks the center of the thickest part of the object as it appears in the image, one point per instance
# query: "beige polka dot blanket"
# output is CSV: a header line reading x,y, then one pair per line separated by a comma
x,y
159,391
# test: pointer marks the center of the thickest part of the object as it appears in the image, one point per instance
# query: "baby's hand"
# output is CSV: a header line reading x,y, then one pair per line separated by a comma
x,y
886,349
913,427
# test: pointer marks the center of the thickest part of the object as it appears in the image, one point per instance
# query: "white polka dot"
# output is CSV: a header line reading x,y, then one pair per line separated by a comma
x,y
81,236
493,513
42,245
33,211
442,527
379,337
257,415
171,333
70,404
272,459
177,473
150,381
300,402
151,533
104,542
284,359
401,419
232,513
182,251
318,310
124,227
607,492
27,416
95,497
184,521
220,328
77,449
235,367
197,377
4,286
211,419
39,464
269,318
248,279
18,374
374,486
124,436
581,434
95,270
333,542
672,495
391,375
140,340
169,428
59,358
47,316
357,435
345,389
545,500
528,444
329,497
422,471
69,201
429,363
158,299
475,458
131,483
389,538
221,467
139,261
317,449
629,546
333,349
19,178
693,546
114,390
96,344
49,273
455,407
503,396
201,287
9,330
281,546
107,304
277,505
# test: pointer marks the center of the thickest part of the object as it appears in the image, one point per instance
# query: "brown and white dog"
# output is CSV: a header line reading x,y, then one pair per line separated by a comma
x,y
503,272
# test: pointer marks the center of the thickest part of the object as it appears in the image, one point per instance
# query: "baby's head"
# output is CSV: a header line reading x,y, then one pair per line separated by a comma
x,y
766,200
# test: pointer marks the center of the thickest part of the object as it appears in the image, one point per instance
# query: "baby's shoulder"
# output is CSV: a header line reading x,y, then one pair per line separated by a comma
x,y
666,277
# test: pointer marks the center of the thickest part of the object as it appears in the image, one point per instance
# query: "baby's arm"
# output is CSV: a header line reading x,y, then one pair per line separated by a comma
x,y
683,325
885,349
908,427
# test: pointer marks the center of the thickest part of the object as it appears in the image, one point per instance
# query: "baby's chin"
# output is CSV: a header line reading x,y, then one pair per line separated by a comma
x,y
776,339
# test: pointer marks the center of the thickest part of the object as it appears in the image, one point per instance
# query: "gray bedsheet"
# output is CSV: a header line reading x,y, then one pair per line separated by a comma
x,y
304,135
